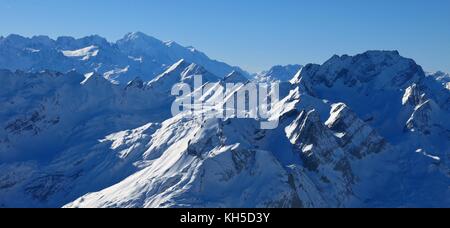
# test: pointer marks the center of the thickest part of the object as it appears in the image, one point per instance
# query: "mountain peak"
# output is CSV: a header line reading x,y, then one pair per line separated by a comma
x,y
181,72
15,39
382,52
42,39
135,35
384,68
279,73
96,39
440,75
374,56
139,37
172,43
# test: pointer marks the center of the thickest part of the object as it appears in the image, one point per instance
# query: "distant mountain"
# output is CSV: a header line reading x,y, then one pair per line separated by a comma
x,y
139,45
278,73
369,130
442,77
136,55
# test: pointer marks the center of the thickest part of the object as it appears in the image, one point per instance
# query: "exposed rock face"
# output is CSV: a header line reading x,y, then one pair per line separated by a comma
x,y
354,134
314,141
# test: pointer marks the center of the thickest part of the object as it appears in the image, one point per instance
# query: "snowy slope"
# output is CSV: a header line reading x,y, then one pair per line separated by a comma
x,y
241,166
65,129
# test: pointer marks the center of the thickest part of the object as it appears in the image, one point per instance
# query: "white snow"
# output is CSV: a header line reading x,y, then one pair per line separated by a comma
x,y
113,74
86,53
32,50
308,147
137,59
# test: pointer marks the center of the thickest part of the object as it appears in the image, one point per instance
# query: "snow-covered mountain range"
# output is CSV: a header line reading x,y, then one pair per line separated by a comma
x,y
369,130
135,55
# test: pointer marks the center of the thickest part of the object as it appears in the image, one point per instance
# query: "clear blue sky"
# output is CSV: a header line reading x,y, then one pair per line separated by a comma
x,y
254,34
